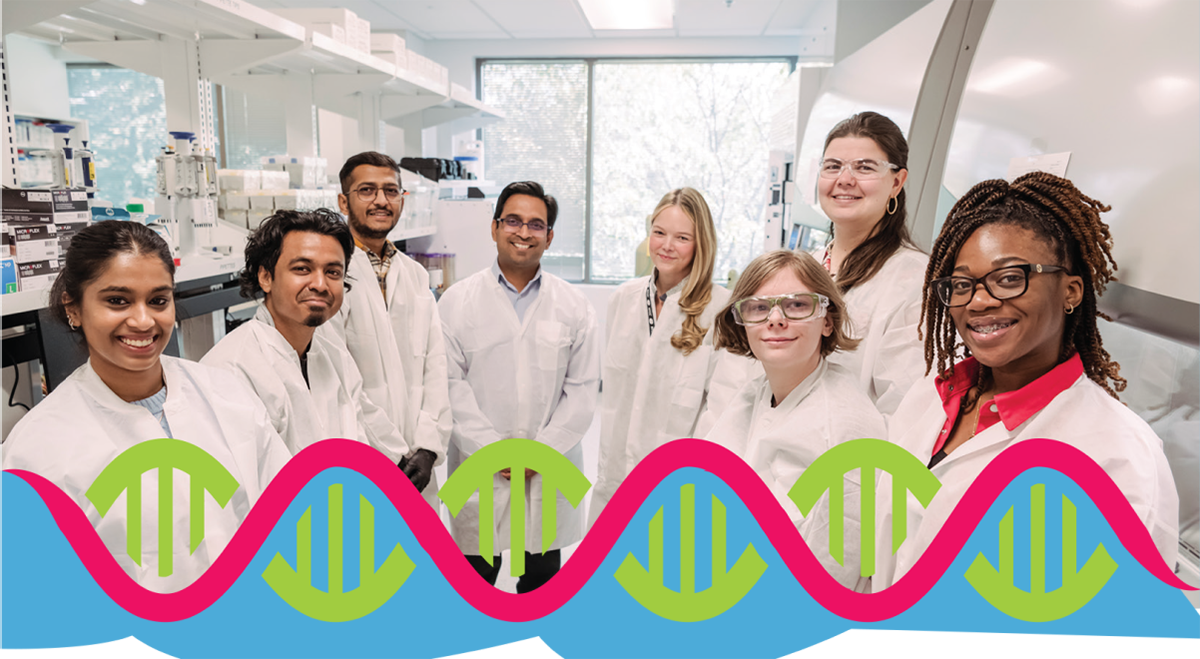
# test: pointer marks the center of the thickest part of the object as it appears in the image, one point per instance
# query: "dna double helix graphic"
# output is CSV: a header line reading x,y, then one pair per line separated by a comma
x,y
646,584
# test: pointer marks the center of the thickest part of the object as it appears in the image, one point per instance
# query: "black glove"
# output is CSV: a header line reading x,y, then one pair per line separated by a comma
x,y
419,468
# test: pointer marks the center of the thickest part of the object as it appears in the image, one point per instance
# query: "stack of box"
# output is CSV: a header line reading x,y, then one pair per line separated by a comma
x,y
341,25
390,48
305,173
429,71
38,228
249,209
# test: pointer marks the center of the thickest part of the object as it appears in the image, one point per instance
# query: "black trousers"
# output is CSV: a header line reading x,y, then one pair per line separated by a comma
x,y
538,569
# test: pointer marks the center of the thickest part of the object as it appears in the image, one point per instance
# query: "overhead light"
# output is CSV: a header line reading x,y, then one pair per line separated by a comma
x,y
629,14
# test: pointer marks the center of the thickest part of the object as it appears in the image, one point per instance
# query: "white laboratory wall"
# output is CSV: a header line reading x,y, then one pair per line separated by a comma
x,y
1117,86
37,78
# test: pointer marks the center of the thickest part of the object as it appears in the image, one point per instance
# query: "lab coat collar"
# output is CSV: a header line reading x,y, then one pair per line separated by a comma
x,y
801,391
1013,408
277,340
503,281
677,289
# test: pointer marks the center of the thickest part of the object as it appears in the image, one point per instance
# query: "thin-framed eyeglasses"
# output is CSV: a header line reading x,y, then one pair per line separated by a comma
x,y
794,306
369,192
513,224
863,169
1002,283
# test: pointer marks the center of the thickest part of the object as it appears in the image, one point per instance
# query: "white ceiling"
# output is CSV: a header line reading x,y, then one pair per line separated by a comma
x,y
563,19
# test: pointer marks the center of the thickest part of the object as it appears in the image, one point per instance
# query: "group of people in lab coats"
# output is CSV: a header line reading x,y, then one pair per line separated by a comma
x,y
990,340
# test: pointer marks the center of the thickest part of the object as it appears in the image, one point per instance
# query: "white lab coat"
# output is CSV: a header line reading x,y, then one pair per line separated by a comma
x,y
330,404
82,426
398,347
536,379
885,312
653,394
1083,416
826,409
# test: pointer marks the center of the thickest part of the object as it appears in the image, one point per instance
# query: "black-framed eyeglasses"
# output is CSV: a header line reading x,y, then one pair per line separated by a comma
x,y
794,306
1002,283
369,192
513,224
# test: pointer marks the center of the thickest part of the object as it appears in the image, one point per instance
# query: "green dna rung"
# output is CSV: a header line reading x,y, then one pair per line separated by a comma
x,y
124,474
558,474
1078,588
337,605
687,605
828,472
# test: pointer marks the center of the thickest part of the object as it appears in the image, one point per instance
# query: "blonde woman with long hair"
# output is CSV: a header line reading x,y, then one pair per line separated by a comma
x,y
659,354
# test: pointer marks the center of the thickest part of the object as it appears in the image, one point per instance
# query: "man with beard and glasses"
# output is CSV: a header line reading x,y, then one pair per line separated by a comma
x,y
390,321
296,262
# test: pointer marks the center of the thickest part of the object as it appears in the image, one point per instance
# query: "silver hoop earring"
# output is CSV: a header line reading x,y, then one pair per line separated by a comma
x,y
71,324
893,204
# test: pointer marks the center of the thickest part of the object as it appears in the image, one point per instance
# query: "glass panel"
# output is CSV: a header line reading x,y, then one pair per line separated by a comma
x,y
254,126
127,123
660,126
543,139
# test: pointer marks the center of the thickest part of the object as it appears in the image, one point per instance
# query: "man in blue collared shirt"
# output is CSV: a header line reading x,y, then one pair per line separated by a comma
x,y
523,361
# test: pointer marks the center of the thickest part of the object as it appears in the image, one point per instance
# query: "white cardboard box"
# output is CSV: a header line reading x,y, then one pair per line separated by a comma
x,y
265,200
240,180
255,217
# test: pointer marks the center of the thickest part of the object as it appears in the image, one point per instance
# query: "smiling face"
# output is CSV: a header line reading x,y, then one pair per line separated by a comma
x,y
126,314
1019,338
673,243
853,203
306,288
787,345
521,249
371,218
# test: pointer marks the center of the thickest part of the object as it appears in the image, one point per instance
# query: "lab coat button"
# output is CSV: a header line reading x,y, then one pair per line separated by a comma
x,y
993,408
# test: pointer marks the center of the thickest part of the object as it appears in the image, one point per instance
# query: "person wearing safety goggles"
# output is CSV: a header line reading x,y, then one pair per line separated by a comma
x,y
788,314
871,255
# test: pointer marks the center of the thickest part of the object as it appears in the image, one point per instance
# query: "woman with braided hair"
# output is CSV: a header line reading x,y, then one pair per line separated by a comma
x,y
659,358
1012,285
871,255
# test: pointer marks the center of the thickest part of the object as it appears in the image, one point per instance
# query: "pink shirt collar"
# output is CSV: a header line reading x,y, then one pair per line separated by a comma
x,y
1013,407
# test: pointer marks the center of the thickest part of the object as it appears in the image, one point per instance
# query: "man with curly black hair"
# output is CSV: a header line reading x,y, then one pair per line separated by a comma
x,y
296,263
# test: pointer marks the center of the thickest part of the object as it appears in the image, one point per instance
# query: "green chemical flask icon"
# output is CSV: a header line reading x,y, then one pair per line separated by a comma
x,y
828,473
124,474
557,474
686,605
375,587
999,588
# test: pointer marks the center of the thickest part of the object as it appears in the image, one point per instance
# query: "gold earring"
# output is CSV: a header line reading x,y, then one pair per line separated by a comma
x,y
1070,309
893,204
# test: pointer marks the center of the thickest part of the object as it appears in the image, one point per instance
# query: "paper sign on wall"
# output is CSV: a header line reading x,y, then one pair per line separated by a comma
x,y
1053,163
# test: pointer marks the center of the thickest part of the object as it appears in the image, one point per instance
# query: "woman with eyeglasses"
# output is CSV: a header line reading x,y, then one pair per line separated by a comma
x,y
877,266
788,314
659,356
115,292
1012,284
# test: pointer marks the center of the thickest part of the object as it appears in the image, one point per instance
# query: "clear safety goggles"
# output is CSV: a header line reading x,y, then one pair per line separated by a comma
x,y
794,306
